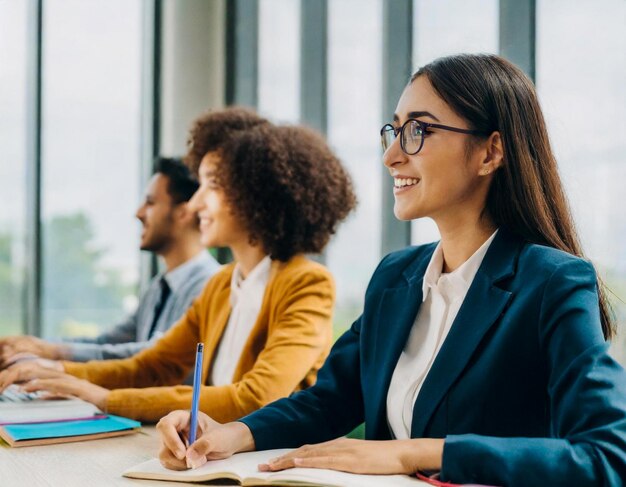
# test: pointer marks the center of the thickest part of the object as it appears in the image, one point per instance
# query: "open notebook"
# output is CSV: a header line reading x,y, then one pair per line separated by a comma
x,y
242,468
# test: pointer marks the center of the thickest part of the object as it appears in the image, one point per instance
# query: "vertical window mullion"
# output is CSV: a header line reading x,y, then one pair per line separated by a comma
x,y
314,64
517,33
242,57
397,46
32,301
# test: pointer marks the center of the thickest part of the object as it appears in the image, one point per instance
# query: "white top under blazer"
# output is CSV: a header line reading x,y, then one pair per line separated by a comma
x,y
442,296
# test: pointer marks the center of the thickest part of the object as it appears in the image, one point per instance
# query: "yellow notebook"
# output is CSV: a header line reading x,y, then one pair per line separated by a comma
x,y
243,469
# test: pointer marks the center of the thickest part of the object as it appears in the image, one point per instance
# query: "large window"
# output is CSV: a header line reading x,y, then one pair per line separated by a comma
x,y
13,133
354,119
449,27
279,55
91,135
90,162
581,70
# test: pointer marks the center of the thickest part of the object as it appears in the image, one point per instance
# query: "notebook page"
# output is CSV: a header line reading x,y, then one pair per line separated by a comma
x,y
317,476
242,465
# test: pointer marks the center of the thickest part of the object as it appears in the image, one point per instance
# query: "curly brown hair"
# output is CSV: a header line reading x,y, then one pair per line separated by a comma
x,y
283,182
211,131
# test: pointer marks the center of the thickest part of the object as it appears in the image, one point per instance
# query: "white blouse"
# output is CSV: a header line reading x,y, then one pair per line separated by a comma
x,y
443,295
246,298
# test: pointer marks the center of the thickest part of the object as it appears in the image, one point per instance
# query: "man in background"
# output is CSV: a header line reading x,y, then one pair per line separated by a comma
x,y
171,231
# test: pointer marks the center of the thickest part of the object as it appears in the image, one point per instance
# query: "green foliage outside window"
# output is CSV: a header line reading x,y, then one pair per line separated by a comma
x,y
80,293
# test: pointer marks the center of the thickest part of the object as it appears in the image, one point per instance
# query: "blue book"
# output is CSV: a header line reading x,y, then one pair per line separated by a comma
x,y
50,432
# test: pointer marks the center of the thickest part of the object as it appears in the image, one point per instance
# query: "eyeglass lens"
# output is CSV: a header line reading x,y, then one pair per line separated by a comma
x,y
412,137
411,134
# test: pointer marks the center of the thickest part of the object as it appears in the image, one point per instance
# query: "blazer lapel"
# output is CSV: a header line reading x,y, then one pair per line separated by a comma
x,y
483,305
395,318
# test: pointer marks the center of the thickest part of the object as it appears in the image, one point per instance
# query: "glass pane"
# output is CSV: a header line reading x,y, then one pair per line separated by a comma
x,y
354,107
449,27
279,55
90,160
13,83
580,79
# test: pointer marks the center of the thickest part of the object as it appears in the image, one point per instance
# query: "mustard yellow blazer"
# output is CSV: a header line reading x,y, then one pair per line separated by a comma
x,y
287,345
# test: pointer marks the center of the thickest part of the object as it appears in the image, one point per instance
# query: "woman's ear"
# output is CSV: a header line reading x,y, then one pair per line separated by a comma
x,y
494,155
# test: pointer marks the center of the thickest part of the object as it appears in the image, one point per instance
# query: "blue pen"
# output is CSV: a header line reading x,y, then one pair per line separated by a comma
x,y
197,378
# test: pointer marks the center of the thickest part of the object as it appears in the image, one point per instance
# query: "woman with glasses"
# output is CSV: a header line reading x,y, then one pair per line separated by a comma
x,y
484,355
271,195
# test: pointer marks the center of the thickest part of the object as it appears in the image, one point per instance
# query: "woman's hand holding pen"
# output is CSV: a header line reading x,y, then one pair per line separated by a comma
x,y
215,440
48,376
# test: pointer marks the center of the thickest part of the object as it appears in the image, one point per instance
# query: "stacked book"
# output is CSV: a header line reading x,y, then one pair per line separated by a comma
x,y
32,419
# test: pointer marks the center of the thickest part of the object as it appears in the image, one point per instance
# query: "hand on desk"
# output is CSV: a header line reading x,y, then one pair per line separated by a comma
x,y
10,347
364,456
215,440
48,375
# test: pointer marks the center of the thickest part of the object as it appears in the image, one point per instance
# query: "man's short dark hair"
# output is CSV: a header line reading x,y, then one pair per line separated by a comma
x,y
181,183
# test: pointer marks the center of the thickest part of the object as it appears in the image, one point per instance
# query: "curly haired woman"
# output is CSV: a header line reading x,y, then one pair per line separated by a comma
x,y
270,194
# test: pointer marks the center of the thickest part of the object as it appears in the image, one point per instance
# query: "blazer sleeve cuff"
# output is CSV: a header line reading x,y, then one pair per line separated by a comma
x,y
520,461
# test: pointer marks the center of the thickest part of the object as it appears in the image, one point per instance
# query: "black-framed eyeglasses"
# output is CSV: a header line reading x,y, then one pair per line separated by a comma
x,y
413,132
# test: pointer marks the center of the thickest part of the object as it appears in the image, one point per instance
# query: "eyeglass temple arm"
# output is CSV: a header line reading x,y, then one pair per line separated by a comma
x,y
451,129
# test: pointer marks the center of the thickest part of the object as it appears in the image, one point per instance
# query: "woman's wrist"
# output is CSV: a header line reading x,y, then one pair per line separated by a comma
x,y
244,441
102,399
63,352
422,454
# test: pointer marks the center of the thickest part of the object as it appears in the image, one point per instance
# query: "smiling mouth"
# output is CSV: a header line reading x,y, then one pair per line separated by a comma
x,y
405,182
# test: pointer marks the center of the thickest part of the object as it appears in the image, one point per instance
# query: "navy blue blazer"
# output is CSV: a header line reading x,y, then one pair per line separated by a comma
x,y
523,389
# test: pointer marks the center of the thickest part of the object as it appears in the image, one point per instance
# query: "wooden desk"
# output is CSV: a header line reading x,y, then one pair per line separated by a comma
x,y
84,463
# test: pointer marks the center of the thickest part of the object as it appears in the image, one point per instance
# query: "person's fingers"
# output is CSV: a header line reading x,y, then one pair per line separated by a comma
x,y
18,358
55,385
205,422
52,364
178,419
329,462
327,449
304,450
197,453
6,353
8,377
169,429
25,371
284,461
17,344
322,461
168,460
277,464
52,396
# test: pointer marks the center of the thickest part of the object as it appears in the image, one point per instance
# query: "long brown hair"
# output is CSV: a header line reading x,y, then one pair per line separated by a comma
x,y
526,195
